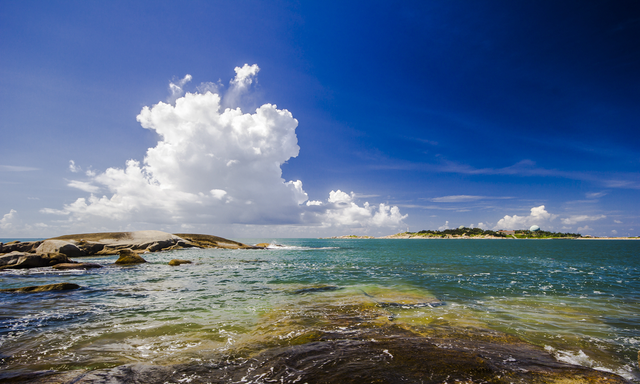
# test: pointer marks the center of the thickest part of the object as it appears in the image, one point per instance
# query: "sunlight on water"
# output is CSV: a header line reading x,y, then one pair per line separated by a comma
x,y
579,300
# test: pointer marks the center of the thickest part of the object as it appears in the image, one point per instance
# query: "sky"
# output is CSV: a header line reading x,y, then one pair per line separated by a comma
x,y
309,119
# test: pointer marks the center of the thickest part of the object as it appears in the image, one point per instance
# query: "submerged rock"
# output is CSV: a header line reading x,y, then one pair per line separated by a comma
x,y
127,256
316,288
386,297
65,266
176,262
43,288
382,355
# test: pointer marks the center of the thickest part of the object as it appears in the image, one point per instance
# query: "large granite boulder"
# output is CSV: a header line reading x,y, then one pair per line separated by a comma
x,y
209,241
60,246
19,246
18,260
110,243
127,256
10,258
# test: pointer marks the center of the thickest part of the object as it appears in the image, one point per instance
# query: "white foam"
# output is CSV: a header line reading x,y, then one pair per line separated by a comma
x,y
296,248
582,359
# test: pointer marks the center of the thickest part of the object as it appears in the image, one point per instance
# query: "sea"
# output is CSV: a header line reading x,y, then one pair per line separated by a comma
x,y
578,300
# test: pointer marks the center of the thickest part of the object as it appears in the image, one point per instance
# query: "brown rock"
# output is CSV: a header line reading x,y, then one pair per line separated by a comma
x,y
10,258
43,288
263,245
392,355
176,262
60,246
17,260
209,241
19,246
111,243
65,266
127,256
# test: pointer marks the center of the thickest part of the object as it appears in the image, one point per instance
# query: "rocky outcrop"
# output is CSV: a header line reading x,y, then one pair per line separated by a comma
x,y
18,260
127,256
176,262
59,249
19,246
110,243
43,288
60,246
209,241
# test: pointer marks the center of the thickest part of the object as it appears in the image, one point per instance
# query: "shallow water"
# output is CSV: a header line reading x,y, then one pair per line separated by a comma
x,y
580,300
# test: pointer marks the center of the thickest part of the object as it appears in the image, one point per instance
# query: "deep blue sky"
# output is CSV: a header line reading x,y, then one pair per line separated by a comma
x,y
454,111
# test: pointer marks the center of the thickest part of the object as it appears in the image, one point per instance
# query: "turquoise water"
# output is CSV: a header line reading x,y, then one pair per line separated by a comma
x,y
580,300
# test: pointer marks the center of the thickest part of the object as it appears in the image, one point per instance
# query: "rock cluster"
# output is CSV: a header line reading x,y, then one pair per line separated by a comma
x,y
59,250
56,252
20,260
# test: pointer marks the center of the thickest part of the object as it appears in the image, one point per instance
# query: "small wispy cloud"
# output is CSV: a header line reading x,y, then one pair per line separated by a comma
x,y
52,211
586,228
73,167
456,199
176,89
523,168
83,186
436,207
579,218
464,198
363,196
17,168
595,195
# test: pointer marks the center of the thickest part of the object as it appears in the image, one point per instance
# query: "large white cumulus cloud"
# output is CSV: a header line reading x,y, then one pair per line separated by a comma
x,y
215,163
539,216
343,211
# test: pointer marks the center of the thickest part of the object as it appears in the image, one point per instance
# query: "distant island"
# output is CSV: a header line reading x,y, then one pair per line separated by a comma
x,y
478,233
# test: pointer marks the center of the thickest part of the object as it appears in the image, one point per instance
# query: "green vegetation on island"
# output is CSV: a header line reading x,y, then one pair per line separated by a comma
x,y
481,233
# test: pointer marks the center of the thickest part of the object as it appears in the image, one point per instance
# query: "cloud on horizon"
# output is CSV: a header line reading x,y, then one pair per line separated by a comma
x,y
463,198
215,164
17,168
539,216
